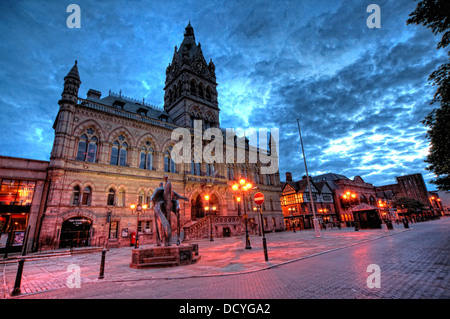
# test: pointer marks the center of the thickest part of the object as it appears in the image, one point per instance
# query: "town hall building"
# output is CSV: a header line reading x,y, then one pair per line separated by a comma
x,y
112,151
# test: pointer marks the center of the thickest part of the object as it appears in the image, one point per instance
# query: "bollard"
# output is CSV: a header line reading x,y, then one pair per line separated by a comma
x,y
264,236
266,257
102,265
16,291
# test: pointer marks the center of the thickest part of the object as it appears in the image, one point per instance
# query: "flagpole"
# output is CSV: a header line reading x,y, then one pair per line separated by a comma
x,y
315,221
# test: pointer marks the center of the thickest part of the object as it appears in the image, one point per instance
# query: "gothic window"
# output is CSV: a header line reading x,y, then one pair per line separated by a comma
x,y
200,91
195,168
209,169
146,158
208,94
193,88
111,197
230,172
141,197
256,176
87,196
119,152
364,199
87,147
268,180
121,198
169,163
175,92
76,196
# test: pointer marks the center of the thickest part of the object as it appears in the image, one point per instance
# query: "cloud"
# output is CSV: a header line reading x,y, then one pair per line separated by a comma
x,y
359,93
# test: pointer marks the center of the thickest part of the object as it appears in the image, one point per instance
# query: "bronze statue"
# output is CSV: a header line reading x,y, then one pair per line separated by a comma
x,y
165,202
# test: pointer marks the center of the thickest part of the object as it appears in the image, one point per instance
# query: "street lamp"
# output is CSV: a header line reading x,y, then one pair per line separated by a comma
x,y
138,209
348,197
242,187
210,209
260,226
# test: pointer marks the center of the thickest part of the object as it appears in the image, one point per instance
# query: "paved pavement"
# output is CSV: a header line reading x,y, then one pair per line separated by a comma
x,y
225,258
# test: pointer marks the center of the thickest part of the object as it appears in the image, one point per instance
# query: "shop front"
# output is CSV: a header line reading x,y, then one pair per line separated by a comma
x,y
15,203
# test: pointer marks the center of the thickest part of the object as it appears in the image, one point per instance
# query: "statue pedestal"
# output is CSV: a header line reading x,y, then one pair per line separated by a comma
x,y
161,256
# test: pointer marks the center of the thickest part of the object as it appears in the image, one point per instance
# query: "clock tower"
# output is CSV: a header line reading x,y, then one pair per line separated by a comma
x,y
190,87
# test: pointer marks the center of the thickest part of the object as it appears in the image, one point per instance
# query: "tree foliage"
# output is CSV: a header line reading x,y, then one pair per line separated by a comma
x,y
435,14
410,204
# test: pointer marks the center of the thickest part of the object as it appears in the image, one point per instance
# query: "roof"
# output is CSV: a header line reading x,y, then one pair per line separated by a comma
x,y
73,73
363,207
127,104
328,177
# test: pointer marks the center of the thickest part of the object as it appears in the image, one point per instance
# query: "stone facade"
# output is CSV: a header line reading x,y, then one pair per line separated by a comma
x,y
111,152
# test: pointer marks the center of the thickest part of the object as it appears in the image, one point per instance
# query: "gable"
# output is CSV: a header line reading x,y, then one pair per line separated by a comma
x,y
288,190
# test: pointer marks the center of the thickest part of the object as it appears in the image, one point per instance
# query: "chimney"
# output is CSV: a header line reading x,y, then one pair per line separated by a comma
x,y
288,177
94,94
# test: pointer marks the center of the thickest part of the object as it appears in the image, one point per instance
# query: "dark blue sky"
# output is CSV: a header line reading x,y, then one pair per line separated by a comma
x,y
359,93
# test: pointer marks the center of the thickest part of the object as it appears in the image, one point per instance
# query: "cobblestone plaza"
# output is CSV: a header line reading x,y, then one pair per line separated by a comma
x,y
413,262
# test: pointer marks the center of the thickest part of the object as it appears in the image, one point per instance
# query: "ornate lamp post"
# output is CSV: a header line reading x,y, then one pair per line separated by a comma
x,y
210,209
348,197
242,188
137,209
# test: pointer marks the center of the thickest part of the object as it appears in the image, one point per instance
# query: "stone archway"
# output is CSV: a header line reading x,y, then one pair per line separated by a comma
x,y
75,232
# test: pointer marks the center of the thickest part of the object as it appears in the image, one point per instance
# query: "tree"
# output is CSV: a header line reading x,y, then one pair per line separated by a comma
x,y
435,14
410,204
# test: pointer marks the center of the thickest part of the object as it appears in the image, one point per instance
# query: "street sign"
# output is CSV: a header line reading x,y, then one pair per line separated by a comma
x,y
259,198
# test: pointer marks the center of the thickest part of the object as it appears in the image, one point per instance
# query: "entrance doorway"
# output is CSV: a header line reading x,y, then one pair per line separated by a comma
x,y
226,232
75,232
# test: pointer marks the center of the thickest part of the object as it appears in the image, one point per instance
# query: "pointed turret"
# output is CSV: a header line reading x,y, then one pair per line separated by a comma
x,y
71,85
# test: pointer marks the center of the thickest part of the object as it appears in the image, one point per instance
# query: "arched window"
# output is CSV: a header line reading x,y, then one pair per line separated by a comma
x,y
175,92
209,169
364,199
169,163
170,96
87,147
268,180
111,197
121,198
119,152
76,196
208,94
195,167
141,197
87,196
146,158
193,88
200,91
256,176
82,144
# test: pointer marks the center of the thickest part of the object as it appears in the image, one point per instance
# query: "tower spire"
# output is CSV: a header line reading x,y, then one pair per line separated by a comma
x,y
71,85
